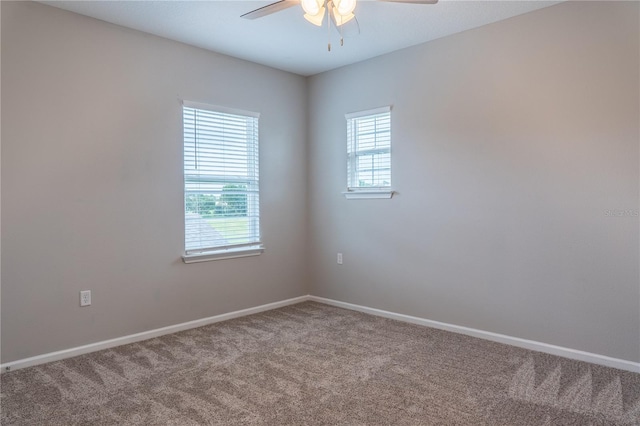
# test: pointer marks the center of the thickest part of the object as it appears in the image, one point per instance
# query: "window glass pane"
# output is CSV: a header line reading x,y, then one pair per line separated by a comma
x,y
369,151
221,179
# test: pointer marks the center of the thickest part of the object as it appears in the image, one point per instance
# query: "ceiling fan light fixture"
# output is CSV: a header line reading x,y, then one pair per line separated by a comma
x,y
317,18
338,11
312,7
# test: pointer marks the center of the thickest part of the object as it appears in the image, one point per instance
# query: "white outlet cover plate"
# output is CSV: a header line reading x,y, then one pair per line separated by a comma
x,y
85,298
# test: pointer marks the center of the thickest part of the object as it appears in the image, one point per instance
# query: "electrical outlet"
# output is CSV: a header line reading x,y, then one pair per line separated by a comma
x,y
85,298
339,258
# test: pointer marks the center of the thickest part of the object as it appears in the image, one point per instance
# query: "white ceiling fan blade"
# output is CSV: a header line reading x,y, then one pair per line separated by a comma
x,y
412,1
270,8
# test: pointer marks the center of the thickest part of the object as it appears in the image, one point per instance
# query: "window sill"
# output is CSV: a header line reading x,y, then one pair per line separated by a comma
x,y
233,253
368,194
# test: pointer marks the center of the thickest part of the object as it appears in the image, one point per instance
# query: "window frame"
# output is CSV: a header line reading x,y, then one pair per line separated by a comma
x,y
256,248
355,192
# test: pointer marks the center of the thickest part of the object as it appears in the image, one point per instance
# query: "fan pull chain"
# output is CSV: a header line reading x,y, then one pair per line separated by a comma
x,y
328,29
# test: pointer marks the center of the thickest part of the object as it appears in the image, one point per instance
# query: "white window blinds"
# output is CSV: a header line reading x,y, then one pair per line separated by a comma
x,y
221,186
369,149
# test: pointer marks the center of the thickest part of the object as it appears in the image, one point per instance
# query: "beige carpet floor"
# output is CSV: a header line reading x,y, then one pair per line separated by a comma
x,y
312,364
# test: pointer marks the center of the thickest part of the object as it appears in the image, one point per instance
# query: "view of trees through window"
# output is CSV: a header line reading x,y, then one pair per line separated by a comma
x,y
231,203
218,219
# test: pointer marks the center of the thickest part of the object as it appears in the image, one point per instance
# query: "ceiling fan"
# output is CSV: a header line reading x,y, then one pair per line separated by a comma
x,y
340,11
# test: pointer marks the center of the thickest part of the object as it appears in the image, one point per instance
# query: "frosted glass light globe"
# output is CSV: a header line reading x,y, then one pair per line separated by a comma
x,y
345,7
312,7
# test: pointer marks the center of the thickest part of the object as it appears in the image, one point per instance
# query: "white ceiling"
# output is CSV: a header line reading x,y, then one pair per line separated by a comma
x,y
285,40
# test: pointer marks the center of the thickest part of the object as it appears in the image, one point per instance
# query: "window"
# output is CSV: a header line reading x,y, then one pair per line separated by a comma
x,y
369,153
221,186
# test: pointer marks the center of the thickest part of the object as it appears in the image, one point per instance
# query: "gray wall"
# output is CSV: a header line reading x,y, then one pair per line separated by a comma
x,y
92,181
509,143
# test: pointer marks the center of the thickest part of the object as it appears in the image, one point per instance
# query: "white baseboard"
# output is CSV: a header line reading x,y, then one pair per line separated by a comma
x,y
500,338
145,335
495,337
